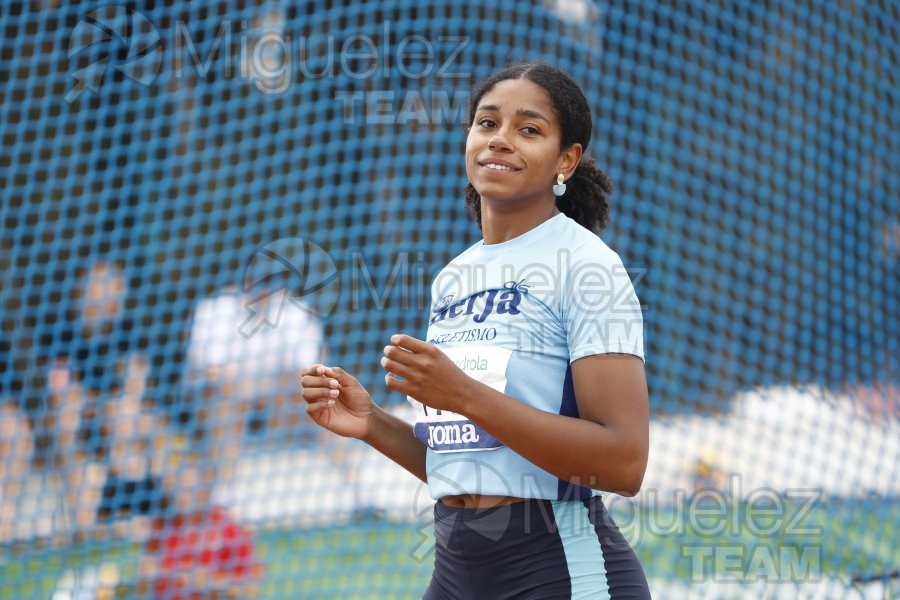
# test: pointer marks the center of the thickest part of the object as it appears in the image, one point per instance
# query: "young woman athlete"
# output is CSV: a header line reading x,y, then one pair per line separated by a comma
x,y
529,388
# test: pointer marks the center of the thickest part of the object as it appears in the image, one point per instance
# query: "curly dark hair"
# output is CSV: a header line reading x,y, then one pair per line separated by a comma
x,y
587,191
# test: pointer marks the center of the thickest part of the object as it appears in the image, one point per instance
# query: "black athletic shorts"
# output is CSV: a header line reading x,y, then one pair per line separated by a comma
x,y
533,549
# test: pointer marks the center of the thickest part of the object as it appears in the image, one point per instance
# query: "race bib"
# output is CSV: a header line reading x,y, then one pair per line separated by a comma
x,y
445,431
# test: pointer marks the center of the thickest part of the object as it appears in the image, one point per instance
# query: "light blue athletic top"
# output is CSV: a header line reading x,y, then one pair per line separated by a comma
x,y
515,315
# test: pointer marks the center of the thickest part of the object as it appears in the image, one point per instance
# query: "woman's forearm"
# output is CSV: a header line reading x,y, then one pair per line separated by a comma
x,y
575,450
393,437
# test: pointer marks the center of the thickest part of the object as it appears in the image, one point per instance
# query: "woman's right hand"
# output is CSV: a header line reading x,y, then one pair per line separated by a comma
x,y
336,401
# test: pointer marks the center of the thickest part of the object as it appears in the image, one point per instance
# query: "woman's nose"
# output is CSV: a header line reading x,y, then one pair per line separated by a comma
x,y
498,142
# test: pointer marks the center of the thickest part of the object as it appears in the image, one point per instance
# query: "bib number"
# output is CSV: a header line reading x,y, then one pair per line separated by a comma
x,y
445,431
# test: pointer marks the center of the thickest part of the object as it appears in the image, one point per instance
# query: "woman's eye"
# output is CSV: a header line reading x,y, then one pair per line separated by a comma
x,y
530,130
486,123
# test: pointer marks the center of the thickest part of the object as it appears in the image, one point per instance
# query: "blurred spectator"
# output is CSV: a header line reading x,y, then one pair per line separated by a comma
x,y
83,483
133,489
82,475
16,447
62,418
100,437
198,550
706,473
96,349
101,338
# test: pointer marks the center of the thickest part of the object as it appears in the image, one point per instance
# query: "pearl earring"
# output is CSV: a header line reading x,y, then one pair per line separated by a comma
x,y
560,188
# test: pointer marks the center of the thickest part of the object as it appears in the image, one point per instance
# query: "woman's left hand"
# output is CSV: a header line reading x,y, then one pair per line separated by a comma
x,y
420,370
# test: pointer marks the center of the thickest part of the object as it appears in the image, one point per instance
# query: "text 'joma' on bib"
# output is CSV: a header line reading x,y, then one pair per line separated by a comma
x,y
445,431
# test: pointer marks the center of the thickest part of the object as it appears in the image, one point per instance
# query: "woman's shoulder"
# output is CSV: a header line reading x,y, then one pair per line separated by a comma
x,y
583,244
470,254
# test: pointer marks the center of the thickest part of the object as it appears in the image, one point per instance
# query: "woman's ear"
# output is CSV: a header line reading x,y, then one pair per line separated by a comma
x,y
569,159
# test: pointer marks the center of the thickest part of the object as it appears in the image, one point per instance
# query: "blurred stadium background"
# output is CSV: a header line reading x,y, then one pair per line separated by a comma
x,y
198,196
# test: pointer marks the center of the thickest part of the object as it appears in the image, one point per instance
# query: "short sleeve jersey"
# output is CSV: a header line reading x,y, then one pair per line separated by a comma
x,y
515,316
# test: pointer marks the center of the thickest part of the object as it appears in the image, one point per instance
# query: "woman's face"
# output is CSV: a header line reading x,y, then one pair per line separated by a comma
x,y
513,147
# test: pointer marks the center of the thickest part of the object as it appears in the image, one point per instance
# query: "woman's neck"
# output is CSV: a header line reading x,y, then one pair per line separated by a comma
x,y
498,226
